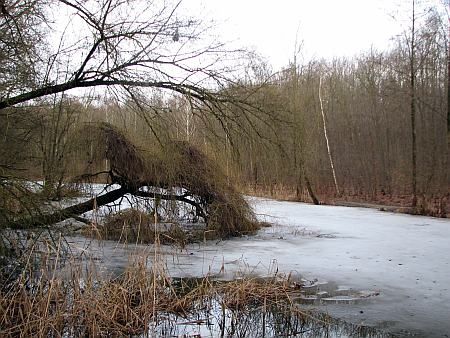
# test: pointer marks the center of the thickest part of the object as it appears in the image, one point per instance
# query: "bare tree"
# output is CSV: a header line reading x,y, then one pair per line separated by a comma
x,y
55,124
128,45
412,84
133,49
325,133
21,36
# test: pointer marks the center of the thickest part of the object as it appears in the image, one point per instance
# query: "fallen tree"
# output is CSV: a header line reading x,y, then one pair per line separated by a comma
x,y
178,171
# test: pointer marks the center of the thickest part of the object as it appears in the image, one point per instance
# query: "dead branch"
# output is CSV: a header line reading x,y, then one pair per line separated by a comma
x,y
44,220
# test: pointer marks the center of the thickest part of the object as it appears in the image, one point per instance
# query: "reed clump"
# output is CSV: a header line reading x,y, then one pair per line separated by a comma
x,y
138,227
84,305
145,301
80,304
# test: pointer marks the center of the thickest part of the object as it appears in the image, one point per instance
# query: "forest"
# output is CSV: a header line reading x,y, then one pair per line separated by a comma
x,y
141,98
371,128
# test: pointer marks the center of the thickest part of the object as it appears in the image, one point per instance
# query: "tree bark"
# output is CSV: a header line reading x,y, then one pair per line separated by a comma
x,y
43,220
311,192
448,98
186,89
74,211
325,132
413,111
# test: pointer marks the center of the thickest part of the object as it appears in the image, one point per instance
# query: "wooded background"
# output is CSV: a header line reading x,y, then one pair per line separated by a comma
x,y
375,127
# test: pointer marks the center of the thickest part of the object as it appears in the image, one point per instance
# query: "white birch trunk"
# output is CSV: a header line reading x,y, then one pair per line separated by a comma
x,y
327,140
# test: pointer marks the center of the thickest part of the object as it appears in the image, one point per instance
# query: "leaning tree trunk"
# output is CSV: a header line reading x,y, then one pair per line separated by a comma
x,y
310,191
325,133
181,166
43,220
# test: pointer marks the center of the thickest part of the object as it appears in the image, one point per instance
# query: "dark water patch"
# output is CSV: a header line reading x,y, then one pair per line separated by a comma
x,y
281,320
320,293
217,316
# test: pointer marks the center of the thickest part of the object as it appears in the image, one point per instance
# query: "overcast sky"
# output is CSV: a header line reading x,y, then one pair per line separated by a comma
x,y
327,28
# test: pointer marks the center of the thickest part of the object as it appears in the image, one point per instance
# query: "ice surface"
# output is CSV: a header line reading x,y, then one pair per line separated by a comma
x,y
402,259
405,257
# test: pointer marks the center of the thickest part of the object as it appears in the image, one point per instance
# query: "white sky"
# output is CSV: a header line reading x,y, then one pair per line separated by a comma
x,y
327,28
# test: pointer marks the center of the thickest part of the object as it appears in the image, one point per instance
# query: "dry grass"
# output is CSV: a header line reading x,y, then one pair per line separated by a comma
x,y
76,301
126,305
132,226
77,307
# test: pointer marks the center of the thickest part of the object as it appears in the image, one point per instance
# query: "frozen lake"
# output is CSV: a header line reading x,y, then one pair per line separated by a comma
x,y
401,262
406,258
